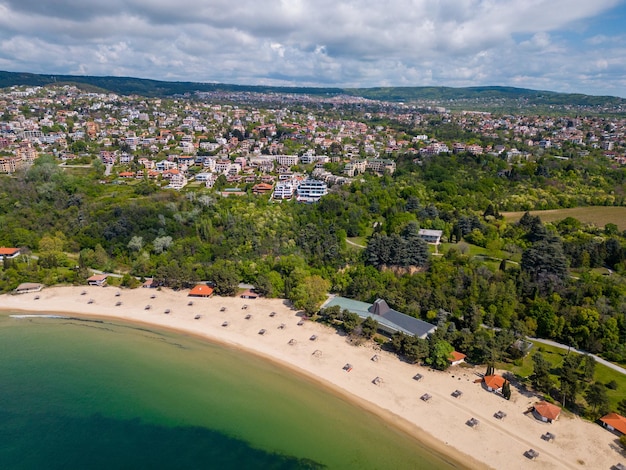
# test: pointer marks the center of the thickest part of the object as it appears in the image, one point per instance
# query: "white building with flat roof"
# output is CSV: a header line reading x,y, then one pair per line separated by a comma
x,y
311,190
284,190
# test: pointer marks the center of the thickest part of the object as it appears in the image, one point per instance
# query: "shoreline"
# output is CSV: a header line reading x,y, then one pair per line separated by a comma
x,y
439,424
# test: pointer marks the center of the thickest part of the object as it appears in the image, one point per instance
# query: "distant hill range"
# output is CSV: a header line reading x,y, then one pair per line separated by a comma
x,y
487,96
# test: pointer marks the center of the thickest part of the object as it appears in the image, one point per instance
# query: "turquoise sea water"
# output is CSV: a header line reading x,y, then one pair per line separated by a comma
x,y
79,394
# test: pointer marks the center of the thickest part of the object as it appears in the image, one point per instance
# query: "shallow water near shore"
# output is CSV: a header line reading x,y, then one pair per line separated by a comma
x,y
107,394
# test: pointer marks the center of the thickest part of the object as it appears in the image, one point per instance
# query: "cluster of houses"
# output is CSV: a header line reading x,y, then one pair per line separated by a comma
x,y
179,141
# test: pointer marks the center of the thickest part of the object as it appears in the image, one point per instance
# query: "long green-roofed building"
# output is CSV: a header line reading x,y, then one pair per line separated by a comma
x,y
390,321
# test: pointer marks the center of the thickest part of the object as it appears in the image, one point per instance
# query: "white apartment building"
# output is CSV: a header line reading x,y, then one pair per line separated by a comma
x,y
287,160
284,190
311,190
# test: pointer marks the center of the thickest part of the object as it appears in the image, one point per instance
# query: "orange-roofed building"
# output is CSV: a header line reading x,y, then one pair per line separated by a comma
x,y
494,383
98,280
262,188
9,253
456,358
201,290
614,422
546,411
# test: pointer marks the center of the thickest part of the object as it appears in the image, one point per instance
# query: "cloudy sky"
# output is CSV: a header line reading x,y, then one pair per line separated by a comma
x,y
559,45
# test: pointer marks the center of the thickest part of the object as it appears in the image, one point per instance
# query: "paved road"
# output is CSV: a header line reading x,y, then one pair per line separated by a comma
x,y
350,242
615,367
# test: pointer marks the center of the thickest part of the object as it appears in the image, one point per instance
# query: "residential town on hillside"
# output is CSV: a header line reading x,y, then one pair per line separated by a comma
x,y
296,149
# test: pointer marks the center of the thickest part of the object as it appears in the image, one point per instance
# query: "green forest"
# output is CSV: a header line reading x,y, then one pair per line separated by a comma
x,y
562,280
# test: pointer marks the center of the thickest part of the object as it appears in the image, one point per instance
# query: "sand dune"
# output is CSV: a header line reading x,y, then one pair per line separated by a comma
x,y
439,422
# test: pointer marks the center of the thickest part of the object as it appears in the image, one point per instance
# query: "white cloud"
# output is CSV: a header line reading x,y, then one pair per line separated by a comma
x,y
313,42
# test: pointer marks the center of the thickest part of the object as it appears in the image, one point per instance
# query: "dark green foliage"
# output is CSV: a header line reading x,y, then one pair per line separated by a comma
x,y
541,373
612,385
412,348
546,265
597,398
569,378
369,326
407,249
506,390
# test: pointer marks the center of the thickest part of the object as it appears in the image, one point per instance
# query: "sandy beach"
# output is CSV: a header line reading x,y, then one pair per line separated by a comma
x,y
439,422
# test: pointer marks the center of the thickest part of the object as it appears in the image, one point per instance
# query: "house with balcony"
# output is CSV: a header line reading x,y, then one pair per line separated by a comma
x,y
311,190
284,190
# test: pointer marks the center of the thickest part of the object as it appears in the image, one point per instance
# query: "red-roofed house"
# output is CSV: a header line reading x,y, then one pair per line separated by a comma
x,y
546,411
494,383
201,290
248,294
98,280
9,253
456,358
262,188
614,422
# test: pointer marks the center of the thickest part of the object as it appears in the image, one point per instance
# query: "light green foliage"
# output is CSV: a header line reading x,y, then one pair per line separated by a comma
x,y
439,355
309,293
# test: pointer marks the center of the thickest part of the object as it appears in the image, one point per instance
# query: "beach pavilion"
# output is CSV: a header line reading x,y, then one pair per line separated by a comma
x,y
389,320
26,287
99,280
614,422
201,290
494,383
546,412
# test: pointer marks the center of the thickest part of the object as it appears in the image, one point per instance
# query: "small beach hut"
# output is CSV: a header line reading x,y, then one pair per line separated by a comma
x,y
500,415
494,383
249,294
456,358
99,280
614,422
546,412
26,287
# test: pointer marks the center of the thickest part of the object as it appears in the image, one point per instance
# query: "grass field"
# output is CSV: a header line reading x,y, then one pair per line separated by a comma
x,y
555,356
597,215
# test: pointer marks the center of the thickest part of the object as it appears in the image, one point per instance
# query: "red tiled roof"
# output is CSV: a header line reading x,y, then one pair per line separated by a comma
x,y
98,277
494,382
615,421
547,410
201,291
456,356
8,251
